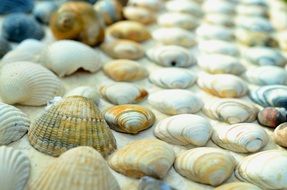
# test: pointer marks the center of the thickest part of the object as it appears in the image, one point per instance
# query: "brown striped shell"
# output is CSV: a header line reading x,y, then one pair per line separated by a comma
x,y
272,117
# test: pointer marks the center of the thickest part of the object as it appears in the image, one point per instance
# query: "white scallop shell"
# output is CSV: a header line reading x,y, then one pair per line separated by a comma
x,y
209,32
218,6
183,6
218,46
176,19
85,91
219,19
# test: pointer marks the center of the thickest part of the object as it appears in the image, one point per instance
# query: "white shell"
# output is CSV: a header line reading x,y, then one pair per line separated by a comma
x,y
148,4
219,19
175,19
175,101
184,129
209,32
251,10
278,18
254,24
218,6
85,91
218,46
282,39
183,6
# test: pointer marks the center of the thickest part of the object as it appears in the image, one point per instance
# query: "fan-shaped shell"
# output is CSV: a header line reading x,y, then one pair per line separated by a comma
x,y
4,47
237,186
184,6
85,91
44,10
176,19
272,117
148,4
8,6
148,157
219,19
129,118
139,14
280,134
218,47
148,183
209,32
219,6
110,11
82,122
205,165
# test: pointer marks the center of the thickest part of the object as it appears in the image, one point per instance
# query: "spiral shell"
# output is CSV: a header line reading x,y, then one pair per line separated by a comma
x,y
110,11
8,6
44,10
218,47
237,186
184,6
148,183
4,47
148,4
209,32
175,19
219,6
280,134
139,14
87,92
272,117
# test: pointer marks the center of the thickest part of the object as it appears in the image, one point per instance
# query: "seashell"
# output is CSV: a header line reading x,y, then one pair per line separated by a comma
x,y
147,157
125,70
184,129
175,101
257,168
174,36
251,38
231,110
109,10
77,21
87,92
277,19
15,169
148,4
184,6
272,117
223,85
30,83
171,56
129,118
254,2
123,49
237,186
282,40
218,47
270,96
17,27
255,24
129,30
8,6
219,19
280,134
139,14
123,93
220,64
209,32
241,137
44,10
79,168
148,183
82,122
219,6
173,78
251,10
177,19
5,47
205,165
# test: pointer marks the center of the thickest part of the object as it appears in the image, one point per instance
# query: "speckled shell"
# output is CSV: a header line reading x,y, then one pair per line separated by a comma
x,y
219,19
148,4
251,10
139,14
148,157
85,91
272,117
4,47
123,93
209,32
175,19
110,11
129,118
83,123
175,101
149,183
280,134
15,169
184,129
184,6
219,6
8,6
79,168
123,49
206,165
125,70
219,47
231,110
44,10
171,55
237,186
173,78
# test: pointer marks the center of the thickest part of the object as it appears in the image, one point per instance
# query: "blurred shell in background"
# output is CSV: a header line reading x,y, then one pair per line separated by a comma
x,y
219,6
219,19
218,47
85,91
237,186
12,6
109,10
209,32
184,6
139,14
153,5
272,117
149,183
251,10
5,47
174,19
44,10
280,134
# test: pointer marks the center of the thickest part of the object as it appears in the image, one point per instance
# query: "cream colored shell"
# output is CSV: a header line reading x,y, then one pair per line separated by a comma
x,y
85,91
237,186
184,6
209,32
218,46
219,6
176,19
139,14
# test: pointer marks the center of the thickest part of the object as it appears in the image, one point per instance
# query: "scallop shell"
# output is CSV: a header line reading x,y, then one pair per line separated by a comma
x,y
272,117
129,118
123,49
218,47
251,10
237,186
173,78
148,4
8,6
44,10
82,122
79,168
171,56
184,129
266,169
231,111
139,14
209,32
205,165
87,92
280,134
110,11
148,157
125,70
219,19
15,169
175,101
30,83
149,183
223,85
123,93
176,19
218,6
4,47
184,6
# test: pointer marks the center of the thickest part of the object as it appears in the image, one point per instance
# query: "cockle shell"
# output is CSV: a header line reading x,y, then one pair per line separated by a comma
x,y
123,49
110,11
184,6
218,47
123,93
44,10
205,165
272,117
231,110
139,14
266,169
209,32
30,83
219,19
125,70
85,91
8,6
4,47
148,4
83,123
237,186
171,55
173,78
280,134
148,157
218,6
79,168
149,183
184,129
176,19
223,85
129,118
15,169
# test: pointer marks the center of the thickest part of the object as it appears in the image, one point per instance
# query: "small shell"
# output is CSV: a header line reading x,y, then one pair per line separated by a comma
x,y
209,32
280,134
175,101
4,47
87,92
15,169
110,11
148,4
205,165
123,93
277,18
184,129
218,47
83,123
149,183
184,6
272,117
219,19
237,186
171,56
139,14
79,168
173,78
223,85
231,110
44,10
8,6
123,49
219,6
148,157
282,39
125,70
129,118
254,2
252,38
251,10
175,19
254,24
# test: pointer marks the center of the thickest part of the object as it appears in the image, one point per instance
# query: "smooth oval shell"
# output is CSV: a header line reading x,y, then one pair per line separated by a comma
x,y
148,4
87,92
253,39
4,47
149,183
176,19
218,47
8,6
254,24
184,6
209,32
219,19
272,117
280,134
237,186
44,10
110,11
219,6
139,14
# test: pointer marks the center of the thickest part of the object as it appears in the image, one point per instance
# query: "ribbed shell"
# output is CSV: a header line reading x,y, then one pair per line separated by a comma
x,y
149,183
218,47
280,134
8,6
71,122
174,19
237,186
139,14
85,91
110,11
272,117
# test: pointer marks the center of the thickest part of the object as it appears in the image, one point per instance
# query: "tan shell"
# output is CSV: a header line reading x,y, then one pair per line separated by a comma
x,y
219,47
280,134
176,19
148,4
237,186
85,91
139,14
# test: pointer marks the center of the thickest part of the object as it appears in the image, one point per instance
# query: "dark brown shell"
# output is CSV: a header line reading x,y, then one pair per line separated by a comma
x,y
271,117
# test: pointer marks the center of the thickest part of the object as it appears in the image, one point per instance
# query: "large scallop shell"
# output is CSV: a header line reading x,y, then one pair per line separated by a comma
x,y
209,32
175,19
149,183
272,117
218,47
184,6
110,11
139,14
237,186
85,91
280,134
8,6
148,157
175,101
129,118
205,165
83,125
184,129
79,168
